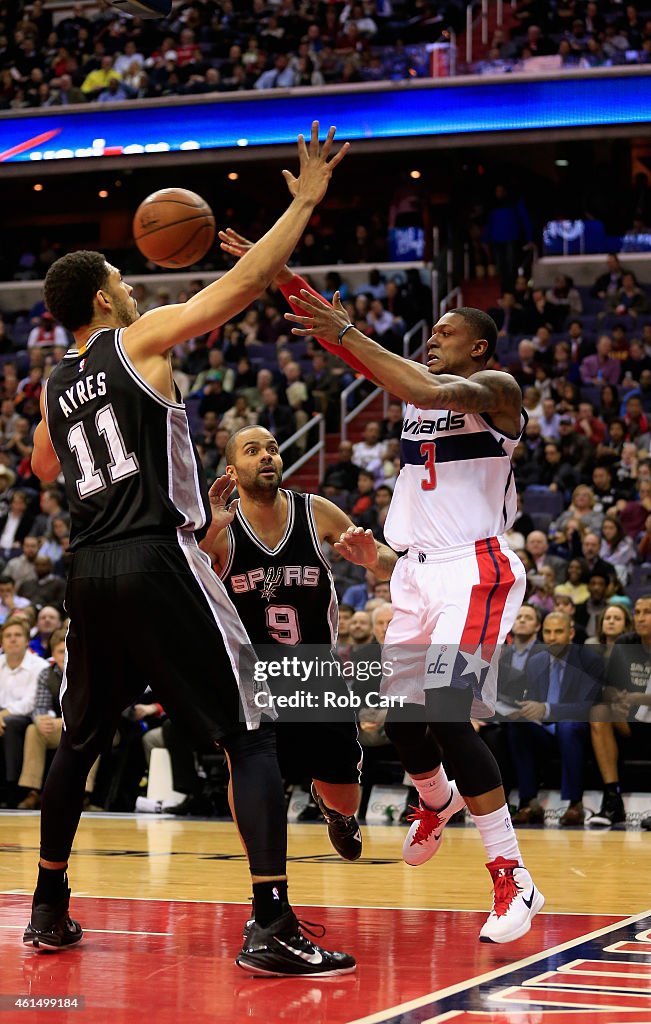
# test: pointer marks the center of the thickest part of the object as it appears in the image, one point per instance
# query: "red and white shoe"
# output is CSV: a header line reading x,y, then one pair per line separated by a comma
x,y
516,901
424,837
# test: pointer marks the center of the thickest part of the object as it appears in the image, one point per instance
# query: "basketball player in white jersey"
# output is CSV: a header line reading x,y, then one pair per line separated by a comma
x,y
458,587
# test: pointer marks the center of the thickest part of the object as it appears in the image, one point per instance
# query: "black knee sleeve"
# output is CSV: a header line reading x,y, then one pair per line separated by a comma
x,y
408,731
470,762
259,799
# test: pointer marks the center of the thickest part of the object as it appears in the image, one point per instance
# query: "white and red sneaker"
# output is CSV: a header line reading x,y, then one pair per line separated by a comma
x,y
424,837
516,901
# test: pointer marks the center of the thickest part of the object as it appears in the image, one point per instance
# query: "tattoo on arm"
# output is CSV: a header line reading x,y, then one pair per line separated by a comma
x,y
487,391
386,560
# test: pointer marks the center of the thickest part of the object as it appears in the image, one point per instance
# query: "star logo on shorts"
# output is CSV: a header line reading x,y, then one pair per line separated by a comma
x,y
475,664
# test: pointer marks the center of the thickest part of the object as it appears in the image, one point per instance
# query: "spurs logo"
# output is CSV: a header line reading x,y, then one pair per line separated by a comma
x,y
272,581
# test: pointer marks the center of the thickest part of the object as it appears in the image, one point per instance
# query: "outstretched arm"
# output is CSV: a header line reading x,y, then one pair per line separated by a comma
x,y
491,391
161,329
355,543
290,283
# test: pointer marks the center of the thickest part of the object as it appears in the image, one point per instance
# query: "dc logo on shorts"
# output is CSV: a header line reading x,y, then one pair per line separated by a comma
x,y
422,557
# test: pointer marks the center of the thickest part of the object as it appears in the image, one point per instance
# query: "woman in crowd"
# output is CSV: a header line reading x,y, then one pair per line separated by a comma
x,y
542,595
609,403
613,621
582,509
616,547
575,584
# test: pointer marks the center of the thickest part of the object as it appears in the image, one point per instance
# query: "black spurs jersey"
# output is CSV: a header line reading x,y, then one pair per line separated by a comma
x,y
128,460
284,596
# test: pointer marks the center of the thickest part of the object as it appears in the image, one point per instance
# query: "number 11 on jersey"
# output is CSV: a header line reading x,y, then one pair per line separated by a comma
x,y
428,451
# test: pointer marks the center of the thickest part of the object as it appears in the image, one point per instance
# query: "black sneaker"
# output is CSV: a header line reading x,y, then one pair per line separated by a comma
x,y
282,950
343,832
611,813
51,927
310,812
646,824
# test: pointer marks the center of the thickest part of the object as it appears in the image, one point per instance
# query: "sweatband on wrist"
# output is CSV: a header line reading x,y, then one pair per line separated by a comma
x,y
340,336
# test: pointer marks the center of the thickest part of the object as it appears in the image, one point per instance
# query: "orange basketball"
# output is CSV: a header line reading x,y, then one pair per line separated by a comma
x,y
174,227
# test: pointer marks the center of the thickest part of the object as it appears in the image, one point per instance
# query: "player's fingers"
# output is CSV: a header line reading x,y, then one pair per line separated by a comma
x,y
302,149
230,236
296,318
339,155
302,304
239,238
315,300
327,145
217,487
314,139
234,505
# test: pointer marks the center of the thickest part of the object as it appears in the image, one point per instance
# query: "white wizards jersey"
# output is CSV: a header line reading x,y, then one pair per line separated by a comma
x,y
455,485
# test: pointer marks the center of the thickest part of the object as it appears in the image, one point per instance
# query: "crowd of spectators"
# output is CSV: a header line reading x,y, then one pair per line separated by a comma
x,y
216,46
210,46
583,472
569,34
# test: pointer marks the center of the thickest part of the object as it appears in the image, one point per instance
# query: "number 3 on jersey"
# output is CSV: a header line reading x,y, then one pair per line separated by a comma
x,y
121,463
428,451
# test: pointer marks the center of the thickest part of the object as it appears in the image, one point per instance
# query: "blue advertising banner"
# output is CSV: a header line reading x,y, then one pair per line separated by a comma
x,y
511,103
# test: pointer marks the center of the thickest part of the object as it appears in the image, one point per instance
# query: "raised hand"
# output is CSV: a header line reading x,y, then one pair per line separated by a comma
x,y
237,245
234,244
357,545
315,168
321,318
223,513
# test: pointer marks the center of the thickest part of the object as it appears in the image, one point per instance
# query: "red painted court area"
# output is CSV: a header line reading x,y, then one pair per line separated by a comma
x,y
174,961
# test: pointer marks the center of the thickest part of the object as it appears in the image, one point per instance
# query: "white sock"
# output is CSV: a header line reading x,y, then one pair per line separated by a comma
x,y
434,792
498,834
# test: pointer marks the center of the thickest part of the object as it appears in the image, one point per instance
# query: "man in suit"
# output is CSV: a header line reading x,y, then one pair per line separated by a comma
x,y
580,347
511,685
563,684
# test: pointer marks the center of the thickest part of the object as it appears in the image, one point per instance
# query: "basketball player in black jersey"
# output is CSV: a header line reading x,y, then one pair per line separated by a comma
x,y
267,548
114,425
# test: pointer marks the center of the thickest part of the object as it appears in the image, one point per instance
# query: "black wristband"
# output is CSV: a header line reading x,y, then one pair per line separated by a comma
x,y
340,336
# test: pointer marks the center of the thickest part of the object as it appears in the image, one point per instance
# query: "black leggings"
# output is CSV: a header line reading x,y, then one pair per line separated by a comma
x,y
257,793
441,730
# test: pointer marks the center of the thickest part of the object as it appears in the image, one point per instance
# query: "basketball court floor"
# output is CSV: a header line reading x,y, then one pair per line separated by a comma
x,y
163,901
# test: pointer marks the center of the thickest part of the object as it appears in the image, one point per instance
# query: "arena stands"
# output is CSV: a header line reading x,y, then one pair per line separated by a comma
x,y
74,54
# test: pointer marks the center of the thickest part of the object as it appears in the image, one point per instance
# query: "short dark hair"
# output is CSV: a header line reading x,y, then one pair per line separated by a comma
x,y
71,284
534,608
482,326
229,450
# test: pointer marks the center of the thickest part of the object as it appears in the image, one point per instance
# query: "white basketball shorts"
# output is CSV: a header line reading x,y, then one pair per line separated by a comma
x,y
452,612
